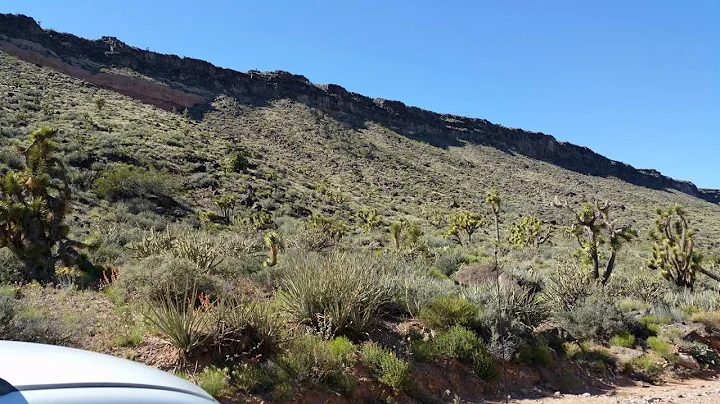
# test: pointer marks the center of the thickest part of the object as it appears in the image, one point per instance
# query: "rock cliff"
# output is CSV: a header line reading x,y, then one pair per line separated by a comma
x,y
169,81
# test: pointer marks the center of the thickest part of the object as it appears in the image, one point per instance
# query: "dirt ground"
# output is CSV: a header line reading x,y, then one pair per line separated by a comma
x,y
692,391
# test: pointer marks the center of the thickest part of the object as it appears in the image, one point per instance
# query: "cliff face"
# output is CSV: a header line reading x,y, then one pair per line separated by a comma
x,y
169,81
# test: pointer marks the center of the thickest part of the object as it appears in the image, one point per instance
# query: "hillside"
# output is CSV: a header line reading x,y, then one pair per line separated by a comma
x,y
310,227
376,153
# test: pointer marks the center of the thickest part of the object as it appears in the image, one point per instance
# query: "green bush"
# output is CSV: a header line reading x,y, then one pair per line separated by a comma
x,y
385,366
238,162
341,293
516,313
10,266
541,352
152,277
598,358
650,365
133,337
311,360
419,291
341,348
457,343
702,353
447,311
659,345
283,392
253,378
246,321
126,181
449,261
214,381
597,317
623,339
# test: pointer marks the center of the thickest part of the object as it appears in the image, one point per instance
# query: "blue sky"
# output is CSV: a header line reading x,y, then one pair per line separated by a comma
x,y
637,81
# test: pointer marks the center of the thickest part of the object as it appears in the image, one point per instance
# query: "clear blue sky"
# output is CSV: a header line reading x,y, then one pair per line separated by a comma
x,y
637,81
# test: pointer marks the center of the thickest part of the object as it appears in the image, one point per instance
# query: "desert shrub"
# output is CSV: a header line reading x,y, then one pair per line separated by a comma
x,y
385,366
516,312
567,286
341,348
184,325
309,359
241,320
22,321
153,243
457,343
237,162
282,392
199,250
144,220
12,158
541,351
340,293
484,365
214,381
201,180
254,377
447,311
420,291
254,221
650,322
126,181
649,365
645,288
659,345
10,266
623,339
328,225
702,353
449,261
596,317
313,239
8,311
133,337
693,300
710,319
597,358
152,277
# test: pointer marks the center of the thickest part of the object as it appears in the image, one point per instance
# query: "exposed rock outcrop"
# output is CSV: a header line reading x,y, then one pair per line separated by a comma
x,y
169,81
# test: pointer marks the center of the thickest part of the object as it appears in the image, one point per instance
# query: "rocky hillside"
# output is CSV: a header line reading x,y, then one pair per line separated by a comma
x,y
168,82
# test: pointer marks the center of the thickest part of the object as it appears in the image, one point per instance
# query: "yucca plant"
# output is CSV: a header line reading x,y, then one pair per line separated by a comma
x,y
342,293
239,317
180,321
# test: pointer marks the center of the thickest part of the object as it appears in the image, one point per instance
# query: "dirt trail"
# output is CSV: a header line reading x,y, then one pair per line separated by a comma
x,y
693,391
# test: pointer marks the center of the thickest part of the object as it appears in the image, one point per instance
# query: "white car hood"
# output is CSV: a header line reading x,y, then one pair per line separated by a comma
x,y
29,366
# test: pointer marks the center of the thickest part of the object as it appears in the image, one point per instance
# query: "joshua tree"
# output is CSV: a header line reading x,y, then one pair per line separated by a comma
x,y
529,232
33,205
593,228
226,203
272,241
396,233
673,251
466,222
369,219
413,234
